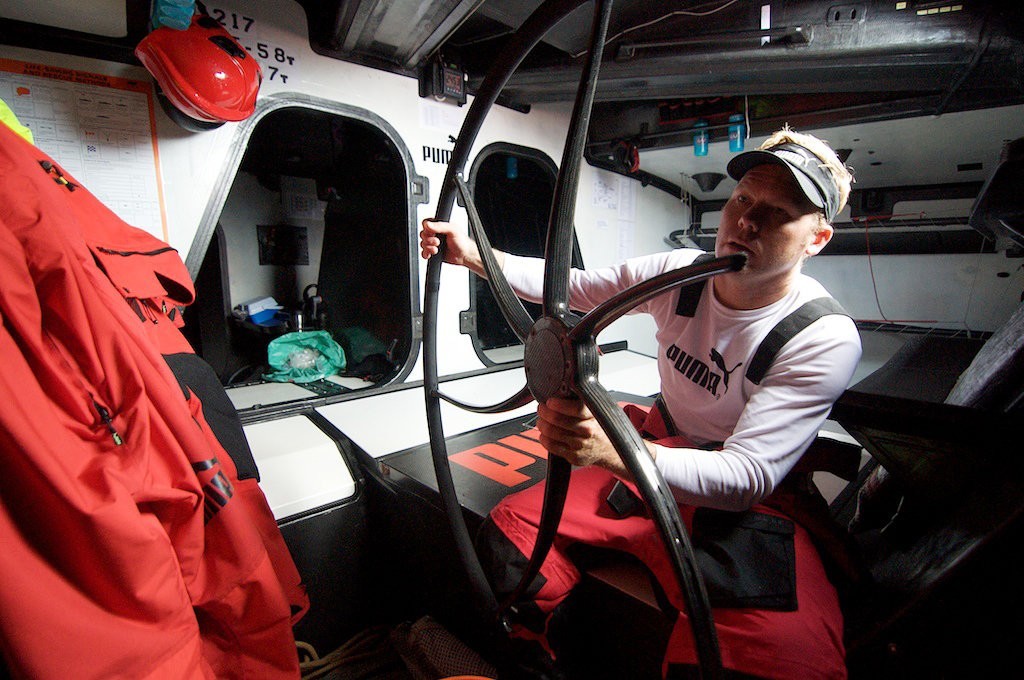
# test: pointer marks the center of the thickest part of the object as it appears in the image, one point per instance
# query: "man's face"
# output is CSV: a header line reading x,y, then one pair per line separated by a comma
x,y
768,218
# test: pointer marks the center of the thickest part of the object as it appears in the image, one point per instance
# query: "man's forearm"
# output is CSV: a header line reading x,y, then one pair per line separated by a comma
x,y
474,262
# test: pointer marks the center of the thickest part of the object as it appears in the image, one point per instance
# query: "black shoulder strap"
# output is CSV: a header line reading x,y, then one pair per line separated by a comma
x,y
689,296
198,376
786,330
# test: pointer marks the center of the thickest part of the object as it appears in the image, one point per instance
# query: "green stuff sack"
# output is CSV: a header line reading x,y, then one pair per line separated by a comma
x,y
360,343
304,356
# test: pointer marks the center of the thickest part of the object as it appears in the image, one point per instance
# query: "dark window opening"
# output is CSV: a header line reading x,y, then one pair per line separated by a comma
x,y
317,218
513,189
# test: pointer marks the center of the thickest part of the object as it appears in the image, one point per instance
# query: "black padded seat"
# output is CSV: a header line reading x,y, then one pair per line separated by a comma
x,y
925,368
999,212
995,377
939,511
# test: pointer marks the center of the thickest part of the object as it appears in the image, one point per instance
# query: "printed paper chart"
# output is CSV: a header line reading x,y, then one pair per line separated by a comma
x,y
98,128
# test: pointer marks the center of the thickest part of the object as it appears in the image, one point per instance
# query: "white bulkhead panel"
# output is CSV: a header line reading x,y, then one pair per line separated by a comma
x,y
300,467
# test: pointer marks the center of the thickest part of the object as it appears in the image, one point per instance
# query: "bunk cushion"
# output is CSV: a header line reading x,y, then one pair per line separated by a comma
x,y
995,377
999,211
952,371
925,368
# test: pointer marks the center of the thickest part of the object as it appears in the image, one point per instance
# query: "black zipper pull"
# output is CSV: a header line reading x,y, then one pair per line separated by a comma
x,y
55,172
105,416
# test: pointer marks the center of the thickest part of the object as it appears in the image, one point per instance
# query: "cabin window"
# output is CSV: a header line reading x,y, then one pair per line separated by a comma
x,y
317,218
513,188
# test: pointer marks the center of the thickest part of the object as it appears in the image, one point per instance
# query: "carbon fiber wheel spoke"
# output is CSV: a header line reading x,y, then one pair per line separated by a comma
x,y
555,492
558,248
614,307
521,43
519,320
557,260
520,398
656,494
561,356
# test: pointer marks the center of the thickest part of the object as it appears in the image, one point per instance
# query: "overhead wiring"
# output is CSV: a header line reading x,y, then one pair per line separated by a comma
x,y
871,269
663,17
746,117
970,294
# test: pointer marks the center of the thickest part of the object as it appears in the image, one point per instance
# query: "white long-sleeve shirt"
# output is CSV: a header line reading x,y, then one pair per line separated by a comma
x,y
765,427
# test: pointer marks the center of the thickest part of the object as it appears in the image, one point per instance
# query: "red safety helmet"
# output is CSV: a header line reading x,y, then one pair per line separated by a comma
x,y
203,72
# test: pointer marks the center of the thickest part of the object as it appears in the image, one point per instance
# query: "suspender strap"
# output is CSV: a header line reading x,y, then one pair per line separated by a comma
x,y
666,417
785,331
689,296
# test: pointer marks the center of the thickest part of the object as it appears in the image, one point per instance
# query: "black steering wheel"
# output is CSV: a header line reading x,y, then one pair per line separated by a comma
x,y
561,356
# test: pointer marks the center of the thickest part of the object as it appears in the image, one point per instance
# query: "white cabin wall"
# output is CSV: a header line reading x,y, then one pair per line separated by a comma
x,y
197,169
545,129
247,206
976,292
618,218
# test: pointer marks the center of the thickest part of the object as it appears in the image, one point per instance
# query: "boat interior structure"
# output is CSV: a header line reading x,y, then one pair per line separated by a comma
x,y
374,115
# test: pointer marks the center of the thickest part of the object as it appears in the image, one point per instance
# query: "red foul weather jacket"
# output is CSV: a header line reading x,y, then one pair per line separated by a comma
x,y
129,548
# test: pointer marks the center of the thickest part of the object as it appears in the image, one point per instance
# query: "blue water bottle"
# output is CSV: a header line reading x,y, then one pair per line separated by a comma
x,y
176,14
737,132
700,138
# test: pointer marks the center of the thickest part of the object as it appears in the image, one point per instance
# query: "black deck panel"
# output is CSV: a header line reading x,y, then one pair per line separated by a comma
x,y
504,458
487,464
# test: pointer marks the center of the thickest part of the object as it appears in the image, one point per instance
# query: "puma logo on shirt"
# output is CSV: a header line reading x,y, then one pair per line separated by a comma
x,y
700,373
719,361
